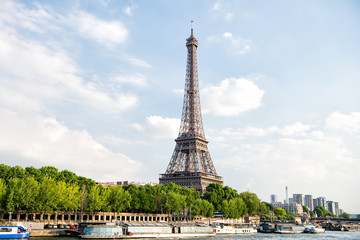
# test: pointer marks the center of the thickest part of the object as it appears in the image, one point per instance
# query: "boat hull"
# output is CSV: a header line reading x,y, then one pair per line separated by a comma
x,y
16,235
169,235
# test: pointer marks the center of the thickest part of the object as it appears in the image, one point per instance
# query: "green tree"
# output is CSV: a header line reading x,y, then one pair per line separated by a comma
x,y
68,177
33,172
229,193
263,208
49,172
280,212
30,192
119,199
68,196
94,199
225,209
321,211
345,215
172,202
47,198
135,198
207,209
83,198
19,194
269,206
196,207
305,209
215,195
5,172
252,202
237,208
3,189
312,214
73,197
18,172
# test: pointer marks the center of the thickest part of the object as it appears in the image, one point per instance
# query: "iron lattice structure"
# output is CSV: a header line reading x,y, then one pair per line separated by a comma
x,y
191,164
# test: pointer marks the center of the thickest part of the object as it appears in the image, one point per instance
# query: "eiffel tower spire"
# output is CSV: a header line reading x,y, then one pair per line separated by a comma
x,y
191,163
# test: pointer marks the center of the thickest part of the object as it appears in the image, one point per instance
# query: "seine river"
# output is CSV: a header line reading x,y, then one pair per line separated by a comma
x,y
302,236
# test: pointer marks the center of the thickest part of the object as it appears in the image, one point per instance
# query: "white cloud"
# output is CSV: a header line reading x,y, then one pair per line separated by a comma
x,y
228,16
178,91
14,13
138,62
135,79
231,97
217,5
159,127
234,44
348,123
237,44
297,128
104,32
42,141
36,74
301,156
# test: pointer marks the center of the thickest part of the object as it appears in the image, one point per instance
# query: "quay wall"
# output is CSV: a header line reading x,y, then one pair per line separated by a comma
x,y
39,219
60,217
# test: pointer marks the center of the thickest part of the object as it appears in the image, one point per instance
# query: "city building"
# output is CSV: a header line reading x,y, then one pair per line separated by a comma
x,y
124,183
337,210
314,202
321,201
191,164
298,198
331,207
273,198
308,201
293,208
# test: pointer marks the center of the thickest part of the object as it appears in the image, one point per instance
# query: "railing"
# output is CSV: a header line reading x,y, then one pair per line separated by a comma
x,y
190,174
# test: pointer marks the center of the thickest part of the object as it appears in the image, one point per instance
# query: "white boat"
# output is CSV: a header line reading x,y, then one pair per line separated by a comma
x,y
314,229
289,229
13,232
146,230
232,228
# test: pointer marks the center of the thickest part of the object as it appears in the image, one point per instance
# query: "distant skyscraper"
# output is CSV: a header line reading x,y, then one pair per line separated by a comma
x,y
308,201
321,201
273,198
298,198
287,196
314,203
293,208
337,209
330,206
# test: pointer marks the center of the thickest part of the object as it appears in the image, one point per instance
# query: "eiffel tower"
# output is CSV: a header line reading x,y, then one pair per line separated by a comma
x,y
191,163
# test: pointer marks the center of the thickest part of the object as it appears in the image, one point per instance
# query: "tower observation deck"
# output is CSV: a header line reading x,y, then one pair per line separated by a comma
x,y
191,164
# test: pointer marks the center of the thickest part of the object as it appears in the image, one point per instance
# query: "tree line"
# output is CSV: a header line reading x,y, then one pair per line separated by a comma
x,y
47,189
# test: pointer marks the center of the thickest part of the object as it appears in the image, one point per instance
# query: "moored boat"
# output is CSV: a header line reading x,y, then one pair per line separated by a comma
x,y
231,228
13,232
317,230
313,229
289,229
147,230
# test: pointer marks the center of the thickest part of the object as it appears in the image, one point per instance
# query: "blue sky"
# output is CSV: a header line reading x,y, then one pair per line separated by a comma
x,y
96,87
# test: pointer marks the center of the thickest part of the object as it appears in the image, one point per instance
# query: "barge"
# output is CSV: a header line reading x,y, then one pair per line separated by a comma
x,y
146,230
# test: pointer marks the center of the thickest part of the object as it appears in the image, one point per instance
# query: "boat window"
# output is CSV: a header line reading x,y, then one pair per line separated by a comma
x,y
5,229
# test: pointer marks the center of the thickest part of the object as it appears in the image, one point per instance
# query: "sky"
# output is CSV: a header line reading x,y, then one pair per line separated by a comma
x,y
96,87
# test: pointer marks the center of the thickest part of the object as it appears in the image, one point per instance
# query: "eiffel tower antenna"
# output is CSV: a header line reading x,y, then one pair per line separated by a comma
x,y
191,164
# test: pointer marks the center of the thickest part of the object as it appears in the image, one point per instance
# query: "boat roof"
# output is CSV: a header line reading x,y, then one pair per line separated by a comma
x,y
133,224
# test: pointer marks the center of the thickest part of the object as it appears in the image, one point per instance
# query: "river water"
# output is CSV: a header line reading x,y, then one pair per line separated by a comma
x,y
302,236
